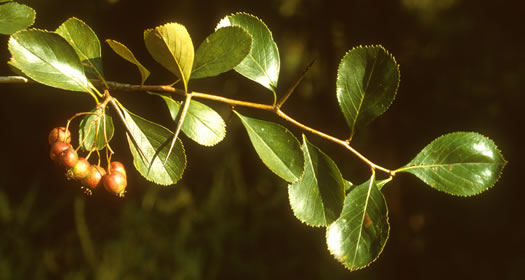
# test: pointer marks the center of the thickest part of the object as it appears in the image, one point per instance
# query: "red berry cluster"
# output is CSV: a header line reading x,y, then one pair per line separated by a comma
x,y
78,168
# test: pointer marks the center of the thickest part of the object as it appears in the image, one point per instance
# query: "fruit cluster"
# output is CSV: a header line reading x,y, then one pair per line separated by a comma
x,y
78,168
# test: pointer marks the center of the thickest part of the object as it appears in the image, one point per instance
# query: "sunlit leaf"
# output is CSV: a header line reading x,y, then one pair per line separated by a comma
x,y
126,53
221,51
85,42
276,146
154,141
171,46
91,130
359,235
15,17
202,124
317,198
262,65
367,82
47,58
460,163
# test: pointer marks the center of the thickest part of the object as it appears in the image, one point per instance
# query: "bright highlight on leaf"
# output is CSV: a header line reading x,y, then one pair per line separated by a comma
x,y
202,124
221,51
85,42
276,146
91,132
262,65
154,141
359,235
126,53
367,82
15,17
317,198
47,58
171,46
460,163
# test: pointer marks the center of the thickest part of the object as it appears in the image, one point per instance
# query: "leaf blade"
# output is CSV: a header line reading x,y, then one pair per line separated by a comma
x,y
460,163
128,55
15,17
95,129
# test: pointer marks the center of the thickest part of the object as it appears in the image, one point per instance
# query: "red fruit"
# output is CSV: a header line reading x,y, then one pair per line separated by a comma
x,y
115,182
59,134
68,158
57,148
92,180
117,166
80,170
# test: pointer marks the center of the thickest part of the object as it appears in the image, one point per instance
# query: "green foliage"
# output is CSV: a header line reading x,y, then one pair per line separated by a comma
x,y
221,51
15,17
276,146
150,148
48,58
126,53
262,65
95,130
202,124
317,198
85,42
461,163
367,81
171,46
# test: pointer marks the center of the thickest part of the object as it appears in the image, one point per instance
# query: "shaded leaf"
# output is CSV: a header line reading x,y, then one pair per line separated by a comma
x,y
317,198
367,82
263,64
85,42
15,17
126,53
276,146
359,235
91,130
221,51
202,124
171,46
47,58
154,141
460,163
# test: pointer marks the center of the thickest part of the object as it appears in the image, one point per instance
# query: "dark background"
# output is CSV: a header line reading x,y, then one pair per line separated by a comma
x,y
462,66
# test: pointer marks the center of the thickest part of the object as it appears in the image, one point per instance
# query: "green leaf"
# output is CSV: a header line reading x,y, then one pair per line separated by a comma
x,y
359,235
262,65
15,17
460,163
171,46
47,58
202,124
91,130
221,51
154,141
276,146
317,198
85,42
126,53
367,82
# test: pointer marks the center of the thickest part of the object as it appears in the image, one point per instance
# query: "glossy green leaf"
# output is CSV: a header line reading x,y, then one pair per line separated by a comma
x,y
317,198
262,65
47,58
367,82
276,146
171,46
202,124
221,51
154,141
359,235
126,53
85,42
95,129
460,163
15,17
